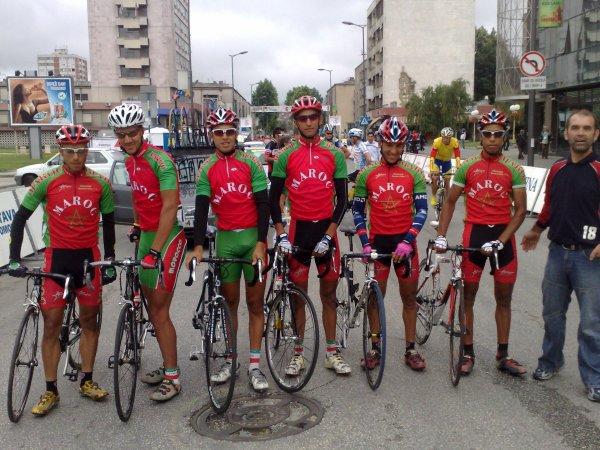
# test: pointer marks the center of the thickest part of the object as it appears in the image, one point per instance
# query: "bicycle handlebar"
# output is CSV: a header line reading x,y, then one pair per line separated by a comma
x,y
194,263
460,249
406,262
38,273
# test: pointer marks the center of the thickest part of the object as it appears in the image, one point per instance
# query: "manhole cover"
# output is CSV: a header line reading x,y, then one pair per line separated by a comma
x,y
262,418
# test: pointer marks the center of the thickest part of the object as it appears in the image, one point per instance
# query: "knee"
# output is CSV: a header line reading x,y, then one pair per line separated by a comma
x,y
503,301
409,304
51,329
89,323
255,306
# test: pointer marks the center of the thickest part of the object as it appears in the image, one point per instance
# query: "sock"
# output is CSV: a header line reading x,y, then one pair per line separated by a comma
x,y
469,349
51,387
87,376
172,374
331,348
410,346
254,359
502,350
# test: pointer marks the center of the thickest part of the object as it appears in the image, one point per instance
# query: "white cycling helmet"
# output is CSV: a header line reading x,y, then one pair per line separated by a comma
x,y
355,132
327,128
126,115
447,131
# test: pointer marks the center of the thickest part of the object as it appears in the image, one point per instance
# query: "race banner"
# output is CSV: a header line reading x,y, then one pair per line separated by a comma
x,y
550,13
40,101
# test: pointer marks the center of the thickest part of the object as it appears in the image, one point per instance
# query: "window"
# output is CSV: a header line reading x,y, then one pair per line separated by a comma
x,y
120,176
96,158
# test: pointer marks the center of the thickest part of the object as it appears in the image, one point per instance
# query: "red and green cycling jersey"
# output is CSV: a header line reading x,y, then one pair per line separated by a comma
x,y
151,171
72,205
488,183
397,200
309,168
230,183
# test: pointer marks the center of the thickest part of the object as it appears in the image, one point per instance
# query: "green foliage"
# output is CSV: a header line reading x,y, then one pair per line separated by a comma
x,y
485,64
299,91
441,106
265,94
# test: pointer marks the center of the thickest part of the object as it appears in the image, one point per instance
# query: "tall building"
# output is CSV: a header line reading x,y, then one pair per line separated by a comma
x,y
414,44
137,43
63,63
340,97
359,91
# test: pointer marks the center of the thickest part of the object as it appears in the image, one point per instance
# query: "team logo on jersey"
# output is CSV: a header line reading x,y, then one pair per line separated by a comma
x,y
137,187
239,188
311,174
87,204
379,175
390,188
62,187
488,185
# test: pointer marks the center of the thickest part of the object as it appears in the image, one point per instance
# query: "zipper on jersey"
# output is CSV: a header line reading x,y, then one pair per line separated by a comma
x,y
310,153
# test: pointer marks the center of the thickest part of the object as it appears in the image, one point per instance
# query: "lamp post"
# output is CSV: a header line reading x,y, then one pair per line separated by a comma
x,y
475,115
331,108
514,109
232,80
251,91
364,56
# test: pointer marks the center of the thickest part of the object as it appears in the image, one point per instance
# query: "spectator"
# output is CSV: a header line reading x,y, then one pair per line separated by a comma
x,y
270,148
522,143
373,148
463,138
545,138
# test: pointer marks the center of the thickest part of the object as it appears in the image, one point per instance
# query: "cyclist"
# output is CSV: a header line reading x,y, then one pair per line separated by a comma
x,y
73,197
313,171
490,181
162,243
373,148
271,148
397,197
443,150
328,134
358,151
235,186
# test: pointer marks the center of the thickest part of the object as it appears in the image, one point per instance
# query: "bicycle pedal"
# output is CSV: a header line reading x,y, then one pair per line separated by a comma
x,y
197,323
193,356
73,376
111,362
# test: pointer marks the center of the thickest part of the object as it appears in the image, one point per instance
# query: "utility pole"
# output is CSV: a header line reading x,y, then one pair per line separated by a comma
x,y
533,12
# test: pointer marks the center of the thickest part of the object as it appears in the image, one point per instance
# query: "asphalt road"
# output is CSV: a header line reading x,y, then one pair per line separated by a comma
x,y
487,410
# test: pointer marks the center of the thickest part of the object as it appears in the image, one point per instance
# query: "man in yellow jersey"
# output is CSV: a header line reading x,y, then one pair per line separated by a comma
x,y
443,149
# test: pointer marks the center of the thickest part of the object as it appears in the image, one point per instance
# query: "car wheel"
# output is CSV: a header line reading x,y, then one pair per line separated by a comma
x,y
28,179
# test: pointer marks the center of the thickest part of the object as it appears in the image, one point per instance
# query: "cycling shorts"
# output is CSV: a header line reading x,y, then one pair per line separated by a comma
x,y
445,166
473,264
387,243
65,262
306,234
172,255
236,244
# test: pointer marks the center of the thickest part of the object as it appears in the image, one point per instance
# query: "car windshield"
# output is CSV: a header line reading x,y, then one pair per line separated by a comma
x,y
117,155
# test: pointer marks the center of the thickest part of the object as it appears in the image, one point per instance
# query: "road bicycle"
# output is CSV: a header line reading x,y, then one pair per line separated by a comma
x,y
291,325
432,301
213,318
354,300
133,327
24,355
440,195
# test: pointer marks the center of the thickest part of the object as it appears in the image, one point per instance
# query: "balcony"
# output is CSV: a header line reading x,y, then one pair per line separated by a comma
x,y
130,3
133,42
132,23
133,63
134,81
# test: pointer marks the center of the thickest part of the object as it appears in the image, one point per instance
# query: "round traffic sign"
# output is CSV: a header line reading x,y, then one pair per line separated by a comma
x,y
532,64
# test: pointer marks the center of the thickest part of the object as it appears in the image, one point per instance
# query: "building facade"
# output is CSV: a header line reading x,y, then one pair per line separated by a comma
x,y
359,91
414,44
340,97
136,43
219,94
64,64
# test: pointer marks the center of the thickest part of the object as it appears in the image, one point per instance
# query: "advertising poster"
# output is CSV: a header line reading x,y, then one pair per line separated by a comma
x,y
550,13
40,101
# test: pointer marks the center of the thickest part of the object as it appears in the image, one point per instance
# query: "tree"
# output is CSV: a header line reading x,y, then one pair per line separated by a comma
x,y
441,106
299,91
265,94
485,64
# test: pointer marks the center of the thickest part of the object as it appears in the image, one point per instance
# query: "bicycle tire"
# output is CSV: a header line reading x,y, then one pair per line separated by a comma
x,y
374,377
28,327
73,337
125,356
281,319
426,299
456,329
221,330
344,310
440,194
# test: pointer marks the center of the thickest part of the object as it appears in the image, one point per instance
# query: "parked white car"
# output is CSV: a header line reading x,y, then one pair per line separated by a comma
x,y
98,159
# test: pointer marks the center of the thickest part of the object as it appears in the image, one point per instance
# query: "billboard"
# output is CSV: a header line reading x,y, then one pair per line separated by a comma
x,y
39,101
550,13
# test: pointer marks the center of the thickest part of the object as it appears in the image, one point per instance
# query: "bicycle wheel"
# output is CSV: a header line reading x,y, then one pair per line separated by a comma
x,y
456,330
372,338
299,335
72,338
427,296
344,310
125,362
220,345
22,364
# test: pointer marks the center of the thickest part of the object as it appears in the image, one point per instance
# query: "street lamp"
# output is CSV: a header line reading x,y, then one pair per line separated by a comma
x,y
475,116
331,111
232,83
514,109
364,56
327,70
251,92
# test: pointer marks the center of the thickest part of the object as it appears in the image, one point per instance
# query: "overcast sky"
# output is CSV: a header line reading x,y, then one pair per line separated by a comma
x,y
282,44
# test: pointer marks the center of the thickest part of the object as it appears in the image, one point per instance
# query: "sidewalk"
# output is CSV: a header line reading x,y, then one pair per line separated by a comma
x,y
7,174
513,153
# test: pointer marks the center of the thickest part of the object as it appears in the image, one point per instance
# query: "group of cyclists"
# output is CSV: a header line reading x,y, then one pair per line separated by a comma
x,y
389,210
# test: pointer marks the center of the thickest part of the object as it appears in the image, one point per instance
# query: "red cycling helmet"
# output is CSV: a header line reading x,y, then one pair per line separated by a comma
x,y
72,134
393,130
494,117
222,116
306,102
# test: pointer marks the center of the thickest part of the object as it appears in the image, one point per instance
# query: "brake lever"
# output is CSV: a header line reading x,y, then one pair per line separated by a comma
x,y
192,269
259,265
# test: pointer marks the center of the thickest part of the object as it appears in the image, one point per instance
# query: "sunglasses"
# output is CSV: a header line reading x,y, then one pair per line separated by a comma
x,y
131,134
312,117
497,134
74,151
226,132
